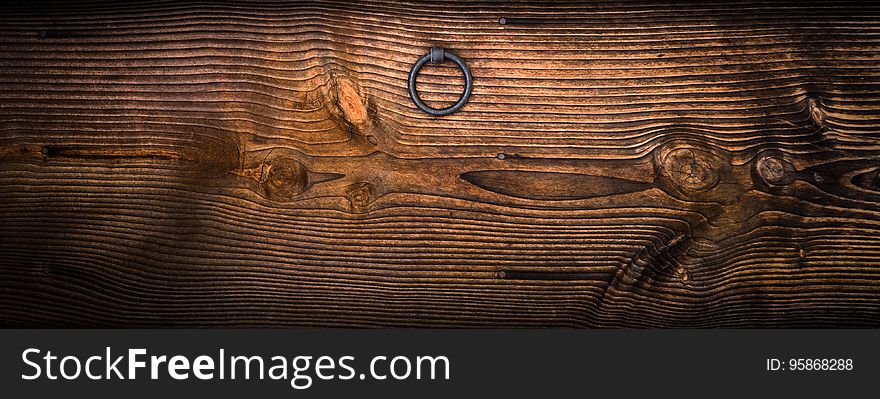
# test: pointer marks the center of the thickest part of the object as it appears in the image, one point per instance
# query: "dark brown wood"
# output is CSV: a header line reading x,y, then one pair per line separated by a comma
x,y
619,164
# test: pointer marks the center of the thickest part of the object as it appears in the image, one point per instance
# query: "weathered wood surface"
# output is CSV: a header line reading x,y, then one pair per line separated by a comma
x,y
619,164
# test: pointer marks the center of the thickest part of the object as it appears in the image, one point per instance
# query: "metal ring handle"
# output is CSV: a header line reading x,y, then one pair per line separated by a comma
x,y
437,56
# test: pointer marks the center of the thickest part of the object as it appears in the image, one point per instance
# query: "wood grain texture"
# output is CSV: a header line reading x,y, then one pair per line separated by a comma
x,y
619,164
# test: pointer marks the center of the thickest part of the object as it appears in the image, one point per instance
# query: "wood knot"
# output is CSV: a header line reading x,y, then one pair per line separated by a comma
x,y
284,178
360,195
817,114
691,170
351,103
774,170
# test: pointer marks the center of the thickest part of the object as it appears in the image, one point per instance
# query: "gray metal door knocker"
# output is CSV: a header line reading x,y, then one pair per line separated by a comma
x,y
437,56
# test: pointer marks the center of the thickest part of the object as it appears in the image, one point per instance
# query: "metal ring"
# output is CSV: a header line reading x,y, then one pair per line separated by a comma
x,y
436,56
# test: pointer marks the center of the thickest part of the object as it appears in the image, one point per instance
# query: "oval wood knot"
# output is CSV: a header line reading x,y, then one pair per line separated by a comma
x,y
360,195
774,170
284,178
692,170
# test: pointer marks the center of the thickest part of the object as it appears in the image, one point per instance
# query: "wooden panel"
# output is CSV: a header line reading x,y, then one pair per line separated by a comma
x,y
619,164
